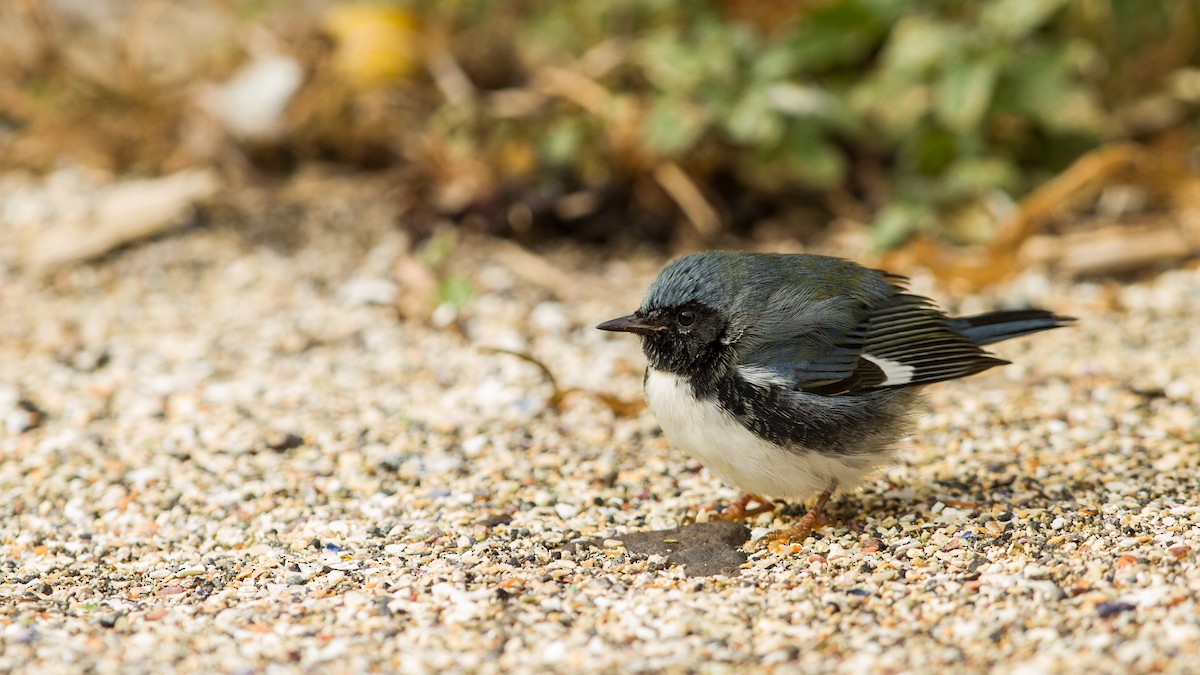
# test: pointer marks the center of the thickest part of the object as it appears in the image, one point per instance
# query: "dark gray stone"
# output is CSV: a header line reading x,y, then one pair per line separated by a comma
x,y
703,549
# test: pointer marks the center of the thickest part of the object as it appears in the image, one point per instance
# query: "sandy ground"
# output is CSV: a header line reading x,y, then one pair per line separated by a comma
x,y
222,451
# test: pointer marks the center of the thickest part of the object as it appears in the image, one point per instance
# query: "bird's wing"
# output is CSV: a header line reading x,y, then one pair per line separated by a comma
x,y
900,342
915,343
810,343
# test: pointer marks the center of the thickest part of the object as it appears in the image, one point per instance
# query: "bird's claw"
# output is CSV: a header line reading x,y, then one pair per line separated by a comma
x,y
740,509
787,539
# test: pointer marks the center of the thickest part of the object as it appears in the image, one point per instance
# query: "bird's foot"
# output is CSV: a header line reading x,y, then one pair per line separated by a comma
x,y
740,509
785,540
789,538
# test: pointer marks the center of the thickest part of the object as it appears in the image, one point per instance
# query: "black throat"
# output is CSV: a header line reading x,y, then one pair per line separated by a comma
x,y
703,365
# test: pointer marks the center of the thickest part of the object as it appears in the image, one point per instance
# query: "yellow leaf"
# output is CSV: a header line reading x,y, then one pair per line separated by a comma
x,y
375,43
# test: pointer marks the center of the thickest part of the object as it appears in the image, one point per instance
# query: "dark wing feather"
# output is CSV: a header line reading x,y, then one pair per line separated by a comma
x,y
905,342
844,344
984,329
842,370
866,375
914,334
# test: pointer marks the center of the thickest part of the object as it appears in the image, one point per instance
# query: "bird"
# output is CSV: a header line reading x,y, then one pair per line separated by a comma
x,y
797,375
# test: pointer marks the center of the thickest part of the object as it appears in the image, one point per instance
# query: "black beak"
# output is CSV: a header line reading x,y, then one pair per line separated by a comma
x,y
631,324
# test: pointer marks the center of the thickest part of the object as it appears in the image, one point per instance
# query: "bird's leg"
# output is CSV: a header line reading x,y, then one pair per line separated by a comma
x,y
808,523
738,509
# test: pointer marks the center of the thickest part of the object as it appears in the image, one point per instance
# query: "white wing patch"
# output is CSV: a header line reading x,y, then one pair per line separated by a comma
x,y
897,373
762,377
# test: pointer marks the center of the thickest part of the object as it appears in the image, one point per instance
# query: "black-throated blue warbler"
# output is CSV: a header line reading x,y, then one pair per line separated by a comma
x,y
790,376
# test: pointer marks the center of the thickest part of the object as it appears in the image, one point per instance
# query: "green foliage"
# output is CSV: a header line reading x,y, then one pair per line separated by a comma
x,y
951,102
715,81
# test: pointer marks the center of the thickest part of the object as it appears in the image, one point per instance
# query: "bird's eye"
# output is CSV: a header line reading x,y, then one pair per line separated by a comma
x,y
685,317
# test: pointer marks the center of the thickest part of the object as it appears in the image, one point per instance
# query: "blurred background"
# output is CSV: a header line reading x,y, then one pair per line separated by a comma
x,y
298,367
969,137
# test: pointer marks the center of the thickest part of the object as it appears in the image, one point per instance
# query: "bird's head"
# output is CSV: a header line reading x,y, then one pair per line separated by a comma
x,y
684,320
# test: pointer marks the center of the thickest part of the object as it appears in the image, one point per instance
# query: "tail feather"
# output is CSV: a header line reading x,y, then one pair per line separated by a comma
x,y
984,329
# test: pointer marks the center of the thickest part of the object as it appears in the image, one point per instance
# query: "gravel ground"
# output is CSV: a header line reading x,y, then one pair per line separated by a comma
x,y
219,454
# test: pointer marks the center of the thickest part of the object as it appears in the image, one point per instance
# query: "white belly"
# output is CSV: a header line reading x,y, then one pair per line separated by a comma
x,y
737,456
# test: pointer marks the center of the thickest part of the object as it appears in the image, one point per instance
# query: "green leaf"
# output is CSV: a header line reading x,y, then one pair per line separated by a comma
x,y
673,126
920,44
815,161
679,65
898,221
753,121
562,140
772,65
455,289
965,93
668,63
836,33
1043,84
929,151
978,175
813,102
1009,20
892,102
